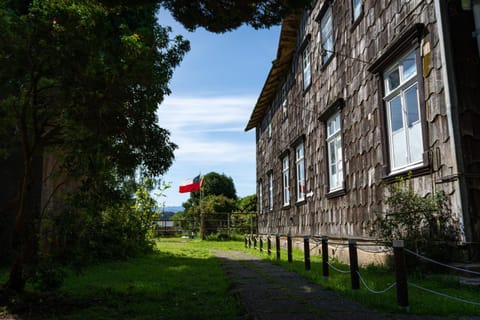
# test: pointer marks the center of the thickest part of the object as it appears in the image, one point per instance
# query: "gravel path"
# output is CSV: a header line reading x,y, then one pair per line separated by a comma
x,y
270,292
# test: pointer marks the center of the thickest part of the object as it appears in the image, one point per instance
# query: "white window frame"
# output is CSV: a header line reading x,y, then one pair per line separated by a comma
x,y
307,71
284,108
326,36
270,191
335,153
301,186
260,196
407,140
286,180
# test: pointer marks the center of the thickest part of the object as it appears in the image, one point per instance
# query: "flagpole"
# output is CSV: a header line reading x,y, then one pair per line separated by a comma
x,y
202,215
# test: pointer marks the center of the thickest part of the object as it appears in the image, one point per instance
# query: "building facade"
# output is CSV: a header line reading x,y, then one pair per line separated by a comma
x,y
363,92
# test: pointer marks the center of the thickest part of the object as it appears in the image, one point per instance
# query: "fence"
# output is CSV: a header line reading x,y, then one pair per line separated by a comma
x,y
226,223
397,247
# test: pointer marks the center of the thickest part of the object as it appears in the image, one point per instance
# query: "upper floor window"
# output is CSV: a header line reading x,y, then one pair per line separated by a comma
x,y
356,9
270,191
286,180
306,67
300,171
403,114
284,108
335,153
326,33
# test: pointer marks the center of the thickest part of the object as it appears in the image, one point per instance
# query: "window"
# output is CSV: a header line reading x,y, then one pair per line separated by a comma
x,y
306,67
284,109
260,196
356,9
335,153
326,34
403,114
270,191
300,170
286,180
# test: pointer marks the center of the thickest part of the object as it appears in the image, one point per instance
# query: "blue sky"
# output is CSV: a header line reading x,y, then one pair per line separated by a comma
x,y
214,91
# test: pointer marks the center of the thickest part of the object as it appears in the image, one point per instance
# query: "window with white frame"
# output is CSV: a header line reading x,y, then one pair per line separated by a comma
x,y
270,191
326,34
300,171
284,109
306,67
286,180
356,9
335,153
260,196
403,114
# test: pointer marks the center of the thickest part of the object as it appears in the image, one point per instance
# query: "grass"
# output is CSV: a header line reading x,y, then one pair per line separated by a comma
x,y
180,280
379,278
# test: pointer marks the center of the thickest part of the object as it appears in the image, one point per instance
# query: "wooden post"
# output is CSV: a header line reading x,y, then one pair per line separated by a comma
x,y
255,242
261,244
401,274
246,242
277,246
352,250
306,251
289,248
250,241
269,245
325,257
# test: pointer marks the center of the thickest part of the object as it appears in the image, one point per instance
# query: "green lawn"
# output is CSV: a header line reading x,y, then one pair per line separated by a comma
x,y
379,278
181,280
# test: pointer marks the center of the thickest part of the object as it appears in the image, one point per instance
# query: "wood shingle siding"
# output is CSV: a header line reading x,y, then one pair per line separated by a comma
x,y
362,52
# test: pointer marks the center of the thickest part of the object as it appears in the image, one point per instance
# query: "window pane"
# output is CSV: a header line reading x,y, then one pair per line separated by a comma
x,y
412,105
399,149
409,66
393,79
415,142
357,8
396,119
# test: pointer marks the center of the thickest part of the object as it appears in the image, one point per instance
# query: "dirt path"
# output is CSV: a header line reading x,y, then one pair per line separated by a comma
x,y
270,292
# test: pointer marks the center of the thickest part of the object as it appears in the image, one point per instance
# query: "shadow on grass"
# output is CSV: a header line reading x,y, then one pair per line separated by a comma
x,y
162,285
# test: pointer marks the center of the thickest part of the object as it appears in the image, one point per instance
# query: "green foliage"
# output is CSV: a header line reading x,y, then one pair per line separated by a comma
x,y
82,81
421,221
221,16
248,203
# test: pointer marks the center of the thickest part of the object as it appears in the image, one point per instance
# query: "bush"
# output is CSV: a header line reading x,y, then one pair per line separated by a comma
x,y
425,223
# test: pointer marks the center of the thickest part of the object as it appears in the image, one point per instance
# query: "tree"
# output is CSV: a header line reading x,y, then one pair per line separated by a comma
x,y
248,204
82,82
215,189
225,15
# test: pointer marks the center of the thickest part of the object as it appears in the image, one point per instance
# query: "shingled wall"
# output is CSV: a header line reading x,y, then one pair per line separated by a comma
x,y
348,76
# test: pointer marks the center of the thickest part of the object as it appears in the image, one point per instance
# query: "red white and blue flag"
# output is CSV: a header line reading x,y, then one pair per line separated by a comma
x,y
190,185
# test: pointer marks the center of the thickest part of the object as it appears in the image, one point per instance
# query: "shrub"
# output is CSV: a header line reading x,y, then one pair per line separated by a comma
x,y
425,223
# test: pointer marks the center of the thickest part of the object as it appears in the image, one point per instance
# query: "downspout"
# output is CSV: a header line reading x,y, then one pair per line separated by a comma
x,y
451,101
476,18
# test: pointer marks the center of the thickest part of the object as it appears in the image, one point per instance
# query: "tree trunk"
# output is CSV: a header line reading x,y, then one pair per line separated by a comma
x,y
22,241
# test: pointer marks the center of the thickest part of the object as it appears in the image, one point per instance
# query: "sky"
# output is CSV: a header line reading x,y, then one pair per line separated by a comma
x,y
214,91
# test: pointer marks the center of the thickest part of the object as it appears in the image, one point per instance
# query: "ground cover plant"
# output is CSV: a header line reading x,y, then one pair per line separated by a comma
x,y
379,278
180,280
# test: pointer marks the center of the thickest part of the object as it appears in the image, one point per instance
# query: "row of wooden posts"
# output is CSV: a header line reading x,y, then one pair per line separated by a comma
x,y
398,252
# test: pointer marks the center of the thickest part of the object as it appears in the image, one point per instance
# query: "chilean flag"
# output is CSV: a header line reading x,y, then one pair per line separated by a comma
x,y
191,185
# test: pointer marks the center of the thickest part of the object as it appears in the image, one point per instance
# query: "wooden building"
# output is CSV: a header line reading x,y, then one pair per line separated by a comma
x,y
362,92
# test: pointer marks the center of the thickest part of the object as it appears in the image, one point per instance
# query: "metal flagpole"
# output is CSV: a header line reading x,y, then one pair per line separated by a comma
x,y
202,215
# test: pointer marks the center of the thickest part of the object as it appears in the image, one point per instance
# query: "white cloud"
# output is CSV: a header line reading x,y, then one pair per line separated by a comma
x,y
209,132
